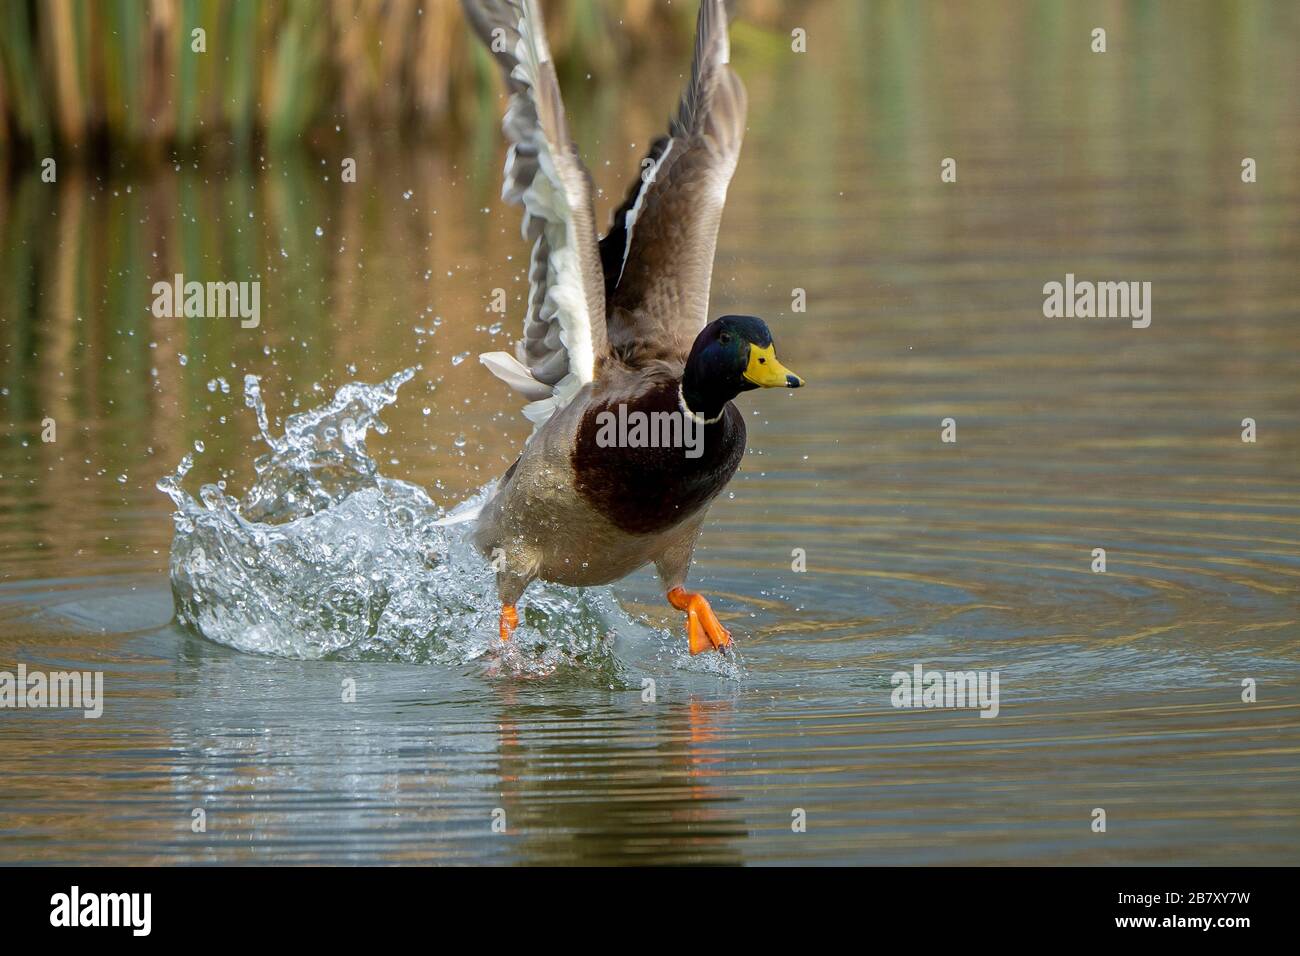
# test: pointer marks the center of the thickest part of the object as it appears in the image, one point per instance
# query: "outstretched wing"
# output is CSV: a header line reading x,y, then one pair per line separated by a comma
x,y
658,255
564,324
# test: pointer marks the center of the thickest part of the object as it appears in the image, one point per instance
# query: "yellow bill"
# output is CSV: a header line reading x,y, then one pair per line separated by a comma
x,y
765,370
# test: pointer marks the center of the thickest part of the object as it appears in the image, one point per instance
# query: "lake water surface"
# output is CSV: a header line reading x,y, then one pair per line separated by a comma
x,y
1119,690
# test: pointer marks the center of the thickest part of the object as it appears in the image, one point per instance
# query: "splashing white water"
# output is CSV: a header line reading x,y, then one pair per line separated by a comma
x,y
325,557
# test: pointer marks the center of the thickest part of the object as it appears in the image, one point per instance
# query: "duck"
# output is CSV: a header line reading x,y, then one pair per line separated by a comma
x,y
629,385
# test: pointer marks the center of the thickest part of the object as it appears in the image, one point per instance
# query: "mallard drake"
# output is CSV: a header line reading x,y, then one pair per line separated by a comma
x,y
630,388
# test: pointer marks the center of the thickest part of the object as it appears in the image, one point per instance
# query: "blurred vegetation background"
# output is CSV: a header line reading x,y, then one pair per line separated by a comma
x,y
122,77
1125,165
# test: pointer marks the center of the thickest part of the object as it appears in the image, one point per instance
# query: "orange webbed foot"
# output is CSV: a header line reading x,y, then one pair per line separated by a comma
x,y
703,630
509,621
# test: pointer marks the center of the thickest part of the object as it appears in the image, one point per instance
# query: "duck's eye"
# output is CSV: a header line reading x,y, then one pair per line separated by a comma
x,y
724,338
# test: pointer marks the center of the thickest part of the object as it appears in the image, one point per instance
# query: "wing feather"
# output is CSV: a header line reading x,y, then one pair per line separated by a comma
x,y
658,255
564,338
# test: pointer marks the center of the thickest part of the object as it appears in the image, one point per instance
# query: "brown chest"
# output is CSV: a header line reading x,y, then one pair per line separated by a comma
x,y
646,465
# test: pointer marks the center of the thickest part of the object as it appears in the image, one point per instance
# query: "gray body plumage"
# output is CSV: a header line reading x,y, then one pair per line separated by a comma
x,y
537,525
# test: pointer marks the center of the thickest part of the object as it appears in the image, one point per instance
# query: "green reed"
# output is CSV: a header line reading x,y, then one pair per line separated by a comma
x,y
100,80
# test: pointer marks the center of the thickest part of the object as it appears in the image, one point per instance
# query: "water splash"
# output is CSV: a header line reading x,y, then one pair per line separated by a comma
x,y
324,557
